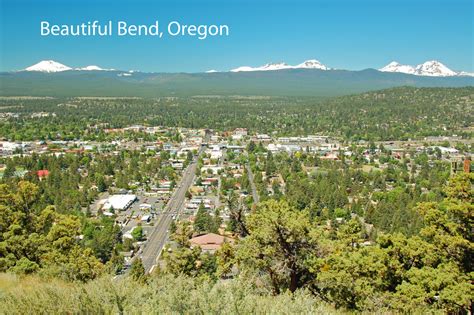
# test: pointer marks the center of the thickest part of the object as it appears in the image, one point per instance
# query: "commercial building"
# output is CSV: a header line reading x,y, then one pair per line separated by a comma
x,y
119,202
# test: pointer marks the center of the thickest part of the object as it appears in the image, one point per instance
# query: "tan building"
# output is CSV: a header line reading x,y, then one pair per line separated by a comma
x,y
210,242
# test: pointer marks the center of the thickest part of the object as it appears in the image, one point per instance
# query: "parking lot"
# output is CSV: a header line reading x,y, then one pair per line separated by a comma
x,y
136,213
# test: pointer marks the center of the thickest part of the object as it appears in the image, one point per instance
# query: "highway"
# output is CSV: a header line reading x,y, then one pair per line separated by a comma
x,y
159,235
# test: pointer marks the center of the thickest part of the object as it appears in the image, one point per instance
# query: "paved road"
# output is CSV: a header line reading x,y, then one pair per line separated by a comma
x,y
219,181
252,184
159,235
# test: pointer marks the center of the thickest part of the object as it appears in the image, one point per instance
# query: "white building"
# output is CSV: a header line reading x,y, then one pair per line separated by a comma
x,y
146,206
263,137
216,152
446,150
119,202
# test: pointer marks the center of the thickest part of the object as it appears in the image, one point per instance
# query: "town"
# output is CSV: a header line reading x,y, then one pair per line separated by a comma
x,y
265,194
204,170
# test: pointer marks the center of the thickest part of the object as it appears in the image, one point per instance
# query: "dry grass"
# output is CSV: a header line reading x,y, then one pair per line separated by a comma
x,y
164,295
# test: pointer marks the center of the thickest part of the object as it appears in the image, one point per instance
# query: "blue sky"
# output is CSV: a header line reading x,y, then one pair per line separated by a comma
x,y
345,34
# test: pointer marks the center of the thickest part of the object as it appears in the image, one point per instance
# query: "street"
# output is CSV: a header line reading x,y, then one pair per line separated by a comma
x,y
159,234
252,184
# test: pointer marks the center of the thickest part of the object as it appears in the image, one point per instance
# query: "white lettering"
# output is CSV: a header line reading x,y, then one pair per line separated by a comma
x,y
121,28
201,31
44,28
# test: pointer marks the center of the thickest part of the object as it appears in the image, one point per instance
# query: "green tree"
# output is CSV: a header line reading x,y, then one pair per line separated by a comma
x,y
353,279
204,222
279,245
183,233
137,233
225,259
137,270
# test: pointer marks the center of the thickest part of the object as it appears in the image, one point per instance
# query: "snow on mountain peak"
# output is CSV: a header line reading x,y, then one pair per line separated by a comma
x,y
48,66
312,64
434,68
308,64
244,69
465,74
429,68
91,68
397,67
265,67
275,66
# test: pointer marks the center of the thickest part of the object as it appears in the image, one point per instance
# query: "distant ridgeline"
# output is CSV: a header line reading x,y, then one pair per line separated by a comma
x,y
289,82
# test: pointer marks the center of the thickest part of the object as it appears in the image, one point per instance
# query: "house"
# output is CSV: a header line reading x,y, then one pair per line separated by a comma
x,y
210,242
42,173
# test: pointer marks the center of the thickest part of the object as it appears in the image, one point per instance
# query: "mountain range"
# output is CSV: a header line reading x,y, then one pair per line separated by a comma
x,y
308,64
310,78
429,68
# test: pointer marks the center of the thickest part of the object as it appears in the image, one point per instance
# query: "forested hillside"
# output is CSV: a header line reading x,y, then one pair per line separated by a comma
x,y
394,114
285,251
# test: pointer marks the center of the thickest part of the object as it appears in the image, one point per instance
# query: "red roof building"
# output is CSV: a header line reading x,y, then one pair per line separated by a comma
x,y
210,242
42,173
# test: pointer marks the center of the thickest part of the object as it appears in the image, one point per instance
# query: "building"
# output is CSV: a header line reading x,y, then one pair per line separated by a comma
x,y
146,218
216,152
119,202
239,134
210,242
177,165
42,174
445,150
146,206
263,137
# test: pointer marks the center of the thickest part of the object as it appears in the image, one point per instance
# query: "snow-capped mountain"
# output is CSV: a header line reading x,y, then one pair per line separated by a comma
x,y
396,67
465,74
435,69
308,64
48,66
312,64
266,67
430,68
91,68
